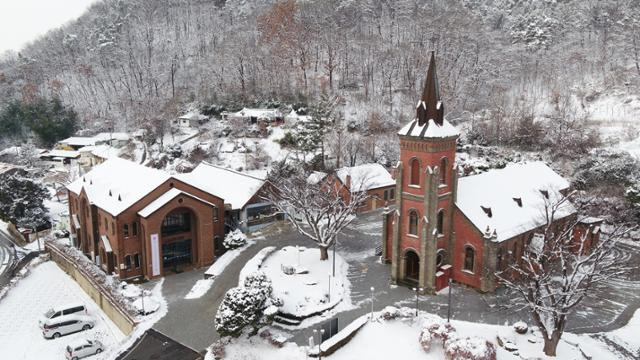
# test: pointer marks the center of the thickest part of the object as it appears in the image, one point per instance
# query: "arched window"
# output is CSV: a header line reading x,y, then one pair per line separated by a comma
x,y
440,222
413,222
415,172
443,170
499,262
469,258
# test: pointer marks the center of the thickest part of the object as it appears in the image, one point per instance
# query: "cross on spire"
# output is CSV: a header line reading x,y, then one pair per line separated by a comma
x,y
430,105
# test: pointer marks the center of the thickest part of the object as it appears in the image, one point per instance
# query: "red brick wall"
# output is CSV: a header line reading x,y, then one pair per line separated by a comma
x,y
466,234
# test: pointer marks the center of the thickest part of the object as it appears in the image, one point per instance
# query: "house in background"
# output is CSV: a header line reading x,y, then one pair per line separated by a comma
x,y
97,154
244,208
64,157
116,139
258,116
372,178
190,120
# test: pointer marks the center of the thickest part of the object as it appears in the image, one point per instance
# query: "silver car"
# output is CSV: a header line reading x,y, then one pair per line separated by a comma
x,y
66,324
77,308
83,348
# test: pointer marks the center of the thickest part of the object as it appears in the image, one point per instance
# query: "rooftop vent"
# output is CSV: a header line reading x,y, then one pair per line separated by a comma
x,y
487,210
545,193
119,198
110,193
518,201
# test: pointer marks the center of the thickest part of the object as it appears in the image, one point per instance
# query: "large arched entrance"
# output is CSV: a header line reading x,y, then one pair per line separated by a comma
x,y
179,239
412,266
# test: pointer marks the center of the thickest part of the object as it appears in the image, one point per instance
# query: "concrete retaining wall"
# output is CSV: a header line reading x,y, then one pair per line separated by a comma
x,y
100,296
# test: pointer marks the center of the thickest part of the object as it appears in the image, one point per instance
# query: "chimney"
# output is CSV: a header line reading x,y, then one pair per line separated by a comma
x,y
348,184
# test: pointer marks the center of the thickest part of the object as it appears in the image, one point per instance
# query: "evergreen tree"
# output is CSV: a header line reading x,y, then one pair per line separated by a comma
x,y
22,201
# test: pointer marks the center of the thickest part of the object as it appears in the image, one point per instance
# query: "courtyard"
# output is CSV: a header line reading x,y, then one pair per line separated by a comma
x,y
190,321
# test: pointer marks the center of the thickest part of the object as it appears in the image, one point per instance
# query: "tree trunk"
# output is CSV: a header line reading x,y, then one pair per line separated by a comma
x,y
324,253
550,345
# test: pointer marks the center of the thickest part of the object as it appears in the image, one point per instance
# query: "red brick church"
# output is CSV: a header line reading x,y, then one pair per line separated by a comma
x,y
464,228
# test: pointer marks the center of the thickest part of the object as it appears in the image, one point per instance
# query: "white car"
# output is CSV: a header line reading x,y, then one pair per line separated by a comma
x,y
66,324
83,348
78,309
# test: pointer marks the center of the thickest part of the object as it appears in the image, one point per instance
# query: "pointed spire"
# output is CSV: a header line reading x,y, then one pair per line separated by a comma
x,y
430,105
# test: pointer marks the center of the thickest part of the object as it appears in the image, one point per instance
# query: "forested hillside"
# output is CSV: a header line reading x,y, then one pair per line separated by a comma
x,y
127,62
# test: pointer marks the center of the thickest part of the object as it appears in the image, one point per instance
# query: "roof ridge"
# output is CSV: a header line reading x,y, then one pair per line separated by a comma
x,y
230,170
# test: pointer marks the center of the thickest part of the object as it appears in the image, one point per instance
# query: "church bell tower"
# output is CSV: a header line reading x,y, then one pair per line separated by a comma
x,y
417,233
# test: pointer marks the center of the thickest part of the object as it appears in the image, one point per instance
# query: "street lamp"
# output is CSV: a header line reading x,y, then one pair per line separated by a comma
x,y
372,290
329,287
449,300
417,290
142,300
335,242
315,332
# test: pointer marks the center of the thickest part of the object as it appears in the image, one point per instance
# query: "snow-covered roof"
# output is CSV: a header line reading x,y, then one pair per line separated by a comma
x,y
194,116
258,113
116,184
78,141
429,130
233,187
315,177
107,136
366,177
511,201
102,151
61,154
164,199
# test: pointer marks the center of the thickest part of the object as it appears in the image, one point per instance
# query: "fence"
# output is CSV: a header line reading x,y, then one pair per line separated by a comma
x,y
96,291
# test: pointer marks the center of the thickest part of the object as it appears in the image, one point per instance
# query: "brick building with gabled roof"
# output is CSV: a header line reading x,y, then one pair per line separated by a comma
x,y
467,228
137,221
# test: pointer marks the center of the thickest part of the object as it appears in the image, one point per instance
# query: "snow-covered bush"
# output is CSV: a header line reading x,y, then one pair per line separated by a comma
x,y
390,313
606,167
240,307
425,340
441,330
249,305
235,239
521,327
470,348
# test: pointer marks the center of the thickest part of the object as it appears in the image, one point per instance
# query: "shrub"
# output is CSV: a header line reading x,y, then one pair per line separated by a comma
x,y
520,327
235,239
240,307
425,340
470,348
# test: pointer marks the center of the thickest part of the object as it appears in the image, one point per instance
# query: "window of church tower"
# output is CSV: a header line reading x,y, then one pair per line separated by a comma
x,y
413,222
443,170
440,222
415,172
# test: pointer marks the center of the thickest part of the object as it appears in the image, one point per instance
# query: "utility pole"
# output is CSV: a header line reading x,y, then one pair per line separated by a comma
x,y
449,300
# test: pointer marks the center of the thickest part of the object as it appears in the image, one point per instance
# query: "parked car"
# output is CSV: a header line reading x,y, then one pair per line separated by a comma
x,y
77,308
66,324
83,348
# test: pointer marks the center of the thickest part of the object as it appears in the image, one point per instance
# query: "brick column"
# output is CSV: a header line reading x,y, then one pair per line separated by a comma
x,y
429,244
489,262
452,207
395,244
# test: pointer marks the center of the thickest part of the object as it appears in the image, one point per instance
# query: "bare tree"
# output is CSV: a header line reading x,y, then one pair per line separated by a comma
x,y
319,211
559,269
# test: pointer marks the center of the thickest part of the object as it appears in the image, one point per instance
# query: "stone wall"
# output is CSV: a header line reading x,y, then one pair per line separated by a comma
x,y
95,291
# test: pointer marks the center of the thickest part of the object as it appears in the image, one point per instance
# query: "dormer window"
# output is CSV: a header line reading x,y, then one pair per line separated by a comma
x,y
487,210
518,201
545,193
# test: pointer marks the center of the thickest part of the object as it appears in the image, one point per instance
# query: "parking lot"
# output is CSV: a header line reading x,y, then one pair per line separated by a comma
x,y
45,287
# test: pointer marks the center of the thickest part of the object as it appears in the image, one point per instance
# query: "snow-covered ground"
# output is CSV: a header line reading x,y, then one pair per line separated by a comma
x,y
307,293
399,339
45,287
628,336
